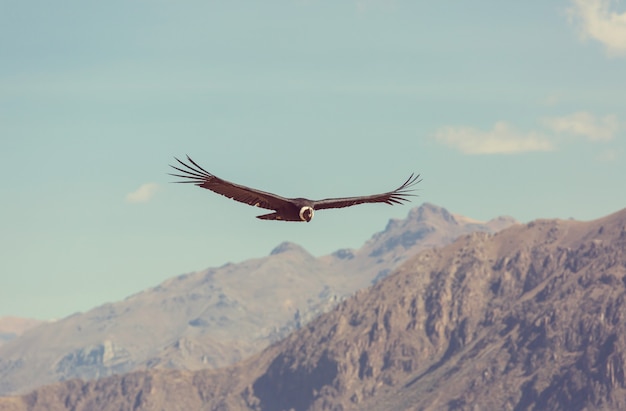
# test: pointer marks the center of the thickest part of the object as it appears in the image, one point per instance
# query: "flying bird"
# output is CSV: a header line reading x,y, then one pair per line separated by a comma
x,y
285,209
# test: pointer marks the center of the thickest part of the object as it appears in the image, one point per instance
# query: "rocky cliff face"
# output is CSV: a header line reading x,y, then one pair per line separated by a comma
x,y
218,316
532,317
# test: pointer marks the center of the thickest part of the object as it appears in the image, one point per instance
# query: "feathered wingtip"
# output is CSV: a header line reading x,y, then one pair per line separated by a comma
x,y
401,194
194,173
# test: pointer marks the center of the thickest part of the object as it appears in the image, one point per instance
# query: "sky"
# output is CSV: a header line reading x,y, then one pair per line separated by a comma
x,y
504,108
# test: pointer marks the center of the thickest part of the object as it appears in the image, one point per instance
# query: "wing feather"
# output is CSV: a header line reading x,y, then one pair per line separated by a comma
x,y
195,174
397,196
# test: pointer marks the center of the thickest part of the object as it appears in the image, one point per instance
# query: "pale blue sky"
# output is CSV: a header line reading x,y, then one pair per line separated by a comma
x,y
506,108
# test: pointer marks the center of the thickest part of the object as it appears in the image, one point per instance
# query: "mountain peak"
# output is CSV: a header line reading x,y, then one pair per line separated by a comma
x,y
288,247
425,213
428,211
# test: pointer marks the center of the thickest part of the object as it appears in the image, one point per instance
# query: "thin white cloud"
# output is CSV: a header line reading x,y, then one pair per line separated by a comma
x,y
599,22
143,194
585,124
501,139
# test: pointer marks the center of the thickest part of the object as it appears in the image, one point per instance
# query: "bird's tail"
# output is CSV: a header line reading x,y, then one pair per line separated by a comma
x,y
270,216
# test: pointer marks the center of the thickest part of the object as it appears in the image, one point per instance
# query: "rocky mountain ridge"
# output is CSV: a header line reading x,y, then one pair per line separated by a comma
x,y
532,317
218,316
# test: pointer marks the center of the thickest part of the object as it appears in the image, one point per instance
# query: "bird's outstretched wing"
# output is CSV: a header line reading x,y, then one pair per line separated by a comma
x,y
197,175
397,196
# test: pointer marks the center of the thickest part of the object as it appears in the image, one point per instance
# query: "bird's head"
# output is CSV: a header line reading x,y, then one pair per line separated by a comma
x,y
306,213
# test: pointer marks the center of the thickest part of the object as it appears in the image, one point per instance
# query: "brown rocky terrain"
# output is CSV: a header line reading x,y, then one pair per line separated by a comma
x,y
218,316
530,318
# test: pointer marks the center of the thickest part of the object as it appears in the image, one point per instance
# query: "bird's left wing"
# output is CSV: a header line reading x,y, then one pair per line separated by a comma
x,y
202,178
397,196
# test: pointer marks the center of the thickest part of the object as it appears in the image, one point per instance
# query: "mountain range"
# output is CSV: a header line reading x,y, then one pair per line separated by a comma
x,y
219,316
531,317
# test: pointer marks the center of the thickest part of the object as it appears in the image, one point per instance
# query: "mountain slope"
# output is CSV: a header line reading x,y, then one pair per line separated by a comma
x,y
218,316
13,327
529,318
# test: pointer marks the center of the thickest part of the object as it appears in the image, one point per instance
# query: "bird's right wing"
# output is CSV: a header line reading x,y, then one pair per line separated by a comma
x,y
197,175
397,196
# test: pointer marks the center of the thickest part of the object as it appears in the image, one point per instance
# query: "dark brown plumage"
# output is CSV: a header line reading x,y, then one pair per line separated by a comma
x,y
285,209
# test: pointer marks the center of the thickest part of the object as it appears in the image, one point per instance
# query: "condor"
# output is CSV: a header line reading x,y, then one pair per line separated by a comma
x,y
285,209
